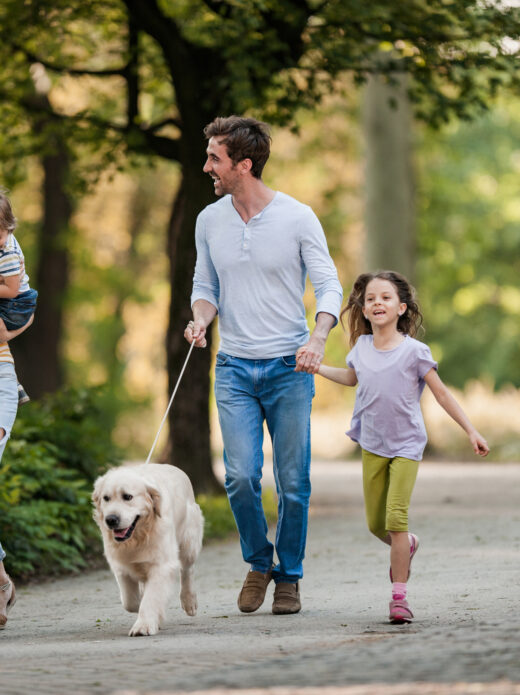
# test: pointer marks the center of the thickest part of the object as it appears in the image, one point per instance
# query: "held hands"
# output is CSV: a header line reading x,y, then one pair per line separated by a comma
x,y
310,355
196,330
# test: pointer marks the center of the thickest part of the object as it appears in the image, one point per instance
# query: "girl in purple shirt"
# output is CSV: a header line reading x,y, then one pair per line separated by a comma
x,y
391,369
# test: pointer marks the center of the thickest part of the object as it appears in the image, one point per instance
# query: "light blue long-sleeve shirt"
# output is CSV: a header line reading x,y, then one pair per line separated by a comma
x,y
255,273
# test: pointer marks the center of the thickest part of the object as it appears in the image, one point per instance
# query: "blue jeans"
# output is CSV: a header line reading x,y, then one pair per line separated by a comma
x,y
247,393
16,312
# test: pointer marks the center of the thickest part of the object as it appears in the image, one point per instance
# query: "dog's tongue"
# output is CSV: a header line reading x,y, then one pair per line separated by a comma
x,y
121,532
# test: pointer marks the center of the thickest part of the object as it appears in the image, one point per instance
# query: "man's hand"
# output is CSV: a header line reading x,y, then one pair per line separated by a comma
x,y
310,355
196,331
203,314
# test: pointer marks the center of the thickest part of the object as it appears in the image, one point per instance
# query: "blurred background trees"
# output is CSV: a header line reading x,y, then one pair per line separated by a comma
x,y
102,109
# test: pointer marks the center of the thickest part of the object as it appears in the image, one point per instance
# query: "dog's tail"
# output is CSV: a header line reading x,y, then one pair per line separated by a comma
x,y
191,541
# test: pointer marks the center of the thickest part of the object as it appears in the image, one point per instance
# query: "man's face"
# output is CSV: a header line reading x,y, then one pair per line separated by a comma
x,y
219,166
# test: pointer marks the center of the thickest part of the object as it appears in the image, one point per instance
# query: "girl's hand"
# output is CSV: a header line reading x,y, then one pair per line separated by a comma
x,y
479,444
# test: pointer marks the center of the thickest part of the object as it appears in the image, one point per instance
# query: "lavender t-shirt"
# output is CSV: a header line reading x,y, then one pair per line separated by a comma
x,y
387,418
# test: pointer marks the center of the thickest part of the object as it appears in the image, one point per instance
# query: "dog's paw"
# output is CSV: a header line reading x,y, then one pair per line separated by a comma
x,y
189,603
144,628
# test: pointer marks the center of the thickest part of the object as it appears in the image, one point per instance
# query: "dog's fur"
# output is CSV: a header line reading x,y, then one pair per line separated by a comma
x,y
152,528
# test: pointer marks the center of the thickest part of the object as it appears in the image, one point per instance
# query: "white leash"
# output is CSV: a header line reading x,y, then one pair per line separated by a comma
x,y
170,403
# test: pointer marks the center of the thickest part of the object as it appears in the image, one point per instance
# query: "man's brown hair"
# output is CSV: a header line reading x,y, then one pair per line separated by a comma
x,y
245,138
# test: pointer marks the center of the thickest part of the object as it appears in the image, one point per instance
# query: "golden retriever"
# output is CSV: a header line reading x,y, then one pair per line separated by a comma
x,y
152,528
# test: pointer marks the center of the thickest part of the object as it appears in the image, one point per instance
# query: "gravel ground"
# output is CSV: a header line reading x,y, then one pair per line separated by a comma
x,y
70,635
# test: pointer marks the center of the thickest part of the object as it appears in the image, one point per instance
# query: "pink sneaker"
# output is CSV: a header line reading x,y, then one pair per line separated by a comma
x,y
414,547
400,612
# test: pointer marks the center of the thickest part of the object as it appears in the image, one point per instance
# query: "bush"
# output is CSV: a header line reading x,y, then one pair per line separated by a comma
x,y
218,517
57,448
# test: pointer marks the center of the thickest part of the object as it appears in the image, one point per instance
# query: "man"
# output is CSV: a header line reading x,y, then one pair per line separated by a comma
x,y
255,247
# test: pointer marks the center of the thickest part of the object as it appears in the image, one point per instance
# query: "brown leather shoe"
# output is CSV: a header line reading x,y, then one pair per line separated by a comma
x,y
253,591
286,598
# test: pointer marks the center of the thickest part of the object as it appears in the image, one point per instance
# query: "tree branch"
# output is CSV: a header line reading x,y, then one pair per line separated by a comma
x,y
132,74
220,7
154,127
33,58
168,148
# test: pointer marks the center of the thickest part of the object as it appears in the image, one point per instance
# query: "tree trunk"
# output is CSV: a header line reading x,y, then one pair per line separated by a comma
x,y
189,446
38,351
390,205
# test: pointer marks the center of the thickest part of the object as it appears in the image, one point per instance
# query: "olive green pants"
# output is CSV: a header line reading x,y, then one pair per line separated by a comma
x,y
387,485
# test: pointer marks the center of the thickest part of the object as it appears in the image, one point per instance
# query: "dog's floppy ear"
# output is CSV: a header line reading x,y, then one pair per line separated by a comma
x,y
96,497
156,498
96,493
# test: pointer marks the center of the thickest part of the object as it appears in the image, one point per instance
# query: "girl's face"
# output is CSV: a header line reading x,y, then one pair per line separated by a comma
x,y
382,305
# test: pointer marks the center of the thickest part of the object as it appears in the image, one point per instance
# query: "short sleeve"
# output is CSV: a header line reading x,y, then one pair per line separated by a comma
x,y
351,357
10,264
425,360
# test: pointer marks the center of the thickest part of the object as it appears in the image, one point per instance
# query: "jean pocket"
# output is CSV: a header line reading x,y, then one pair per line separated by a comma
x,y
222,359
289,361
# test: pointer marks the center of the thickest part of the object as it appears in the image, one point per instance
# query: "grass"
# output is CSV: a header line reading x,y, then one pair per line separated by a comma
x,y
218,518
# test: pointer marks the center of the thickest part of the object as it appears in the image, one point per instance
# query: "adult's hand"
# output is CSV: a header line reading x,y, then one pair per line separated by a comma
x,y
196,331
203,314
310,355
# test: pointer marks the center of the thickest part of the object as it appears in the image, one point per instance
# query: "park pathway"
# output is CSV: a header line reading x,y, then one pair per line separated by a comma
x,y
70,635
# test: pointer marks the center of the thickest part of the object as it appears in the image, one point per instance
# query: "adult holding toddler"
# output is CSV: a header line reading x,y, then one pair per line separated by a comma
x,y
8,410
17,298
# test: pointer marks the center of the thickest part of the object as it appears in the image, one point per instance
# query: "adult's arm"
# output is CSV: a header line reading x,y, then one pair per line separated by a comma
x,y
6,335
327,290
203,314
206,288
310,355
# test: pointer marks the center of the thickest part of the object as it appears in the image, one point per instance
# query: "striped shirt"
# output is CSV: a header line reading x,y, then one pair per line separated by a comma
x,y
5,353
11,259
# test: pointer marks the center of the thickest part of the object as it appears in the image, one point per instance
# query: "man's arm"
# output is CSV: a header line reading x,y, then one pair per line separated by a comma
x,y
6,335
310,355
203,314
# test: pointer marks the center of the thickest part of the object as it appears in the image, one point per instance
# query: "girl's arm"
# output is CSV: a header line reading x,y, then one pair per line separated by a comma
x,y
340,375
9,286
447,401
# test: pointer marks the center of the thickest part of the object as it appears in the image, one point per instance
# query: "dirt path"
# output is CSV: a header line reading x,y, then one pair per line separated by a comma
x,y
69,636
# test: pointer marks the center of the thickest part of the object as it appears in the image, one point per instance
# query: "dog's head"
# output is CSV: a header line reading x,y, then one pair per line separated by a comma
x,y
124,501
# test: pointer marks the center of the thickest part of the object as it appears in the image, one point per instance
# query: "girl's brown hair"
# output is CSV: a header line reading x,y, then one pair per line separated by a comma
x,y
7,218
409,323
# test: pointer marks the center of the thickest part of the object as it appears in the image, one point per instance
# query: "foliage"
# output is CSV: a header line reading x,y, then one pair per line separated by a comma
x,y
74,423
272,56
469,235
57,449
218,517
142,77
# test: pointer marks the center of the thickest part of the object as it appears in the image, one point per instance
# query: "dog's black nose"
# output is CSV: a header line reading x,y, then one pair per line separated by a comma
x,y
112,521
